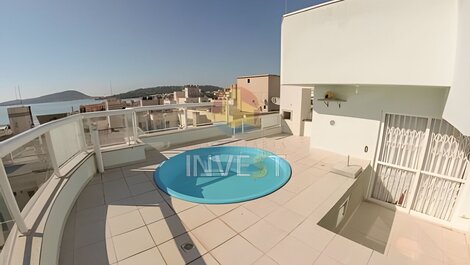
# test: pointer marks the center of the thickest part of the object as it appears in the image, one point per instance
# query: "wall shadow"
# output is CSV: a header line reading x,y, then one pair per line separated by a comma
x,y
365,223
369,101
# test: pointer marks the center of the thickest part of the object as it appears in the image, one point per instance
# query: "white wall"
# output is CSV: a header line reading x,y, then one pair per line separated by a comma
x,y
457,111
357,122
307,128
61,207
291,100
297,100
371,42
114,157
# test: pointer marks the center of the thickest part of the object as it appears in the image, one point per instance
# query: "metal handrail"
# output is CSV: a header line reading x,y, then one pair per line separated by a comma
x,y
13,143
17,141
10,145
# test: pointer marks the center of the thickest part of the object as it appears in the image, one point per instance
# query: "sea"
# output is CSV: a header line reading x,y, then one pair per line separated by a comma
x,y
48,108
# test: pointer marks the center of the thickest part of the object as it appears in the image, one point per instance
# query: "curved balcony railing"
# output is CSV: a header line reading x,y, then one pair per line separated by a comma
x,y
31,158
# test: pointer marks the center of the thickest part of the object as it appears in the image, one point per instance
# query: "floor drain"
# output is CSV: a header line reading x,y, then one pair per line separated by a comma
x,y
187,246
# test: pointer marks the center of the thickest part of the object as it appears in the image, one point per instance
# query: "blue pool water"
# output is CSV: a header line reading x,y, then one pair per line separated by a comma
x,y
225,174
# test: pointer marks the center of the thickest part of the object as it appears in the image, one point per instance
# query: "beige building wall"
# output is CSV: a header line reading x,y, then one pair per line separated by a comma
x,y
254,93
20,118
191,92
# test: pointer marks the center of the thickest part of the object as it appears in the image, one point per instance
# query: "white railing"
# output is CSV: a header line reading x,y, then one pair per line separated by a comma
x,y
32,157
249,123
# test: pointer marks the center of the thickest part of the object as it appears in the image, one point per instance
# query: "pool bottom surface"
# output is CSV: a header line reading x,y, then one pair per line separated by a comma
x,y
220,175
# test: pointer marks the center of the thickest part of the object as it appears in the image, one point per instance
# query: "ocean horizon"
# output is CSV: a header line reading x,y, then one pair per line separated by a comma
x,y
47,108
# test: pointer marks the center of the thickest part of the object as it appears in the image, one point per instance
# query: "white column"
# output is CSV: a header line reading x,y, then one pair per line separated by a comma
x,y
134,126
95,138
52,155
226,111
126,124
10,201
243,124
81,135
147,117
106,105
185,118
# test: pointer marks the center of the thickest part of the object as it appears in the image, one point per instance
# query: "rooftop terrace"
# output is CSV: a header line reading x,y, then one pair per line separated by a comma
x,y
121,217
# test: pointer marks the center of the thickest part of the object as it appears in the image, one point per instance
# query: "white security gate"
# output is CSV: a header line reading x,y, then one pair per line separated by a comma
x,y
422,165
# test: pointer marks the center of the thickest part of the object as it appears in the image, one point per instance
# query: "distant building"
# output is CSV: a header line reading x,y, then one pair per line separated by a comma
x,y
192,92
20,118
158,120
50,117
151,100
168,101
115,103
189,94
179,97
93,107
220,94
4,131
254,93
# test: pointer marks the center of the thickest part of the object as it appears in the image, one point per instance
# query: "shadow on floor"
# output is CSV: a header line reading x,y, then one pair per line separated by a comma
x,y
365,223
370,226
148,227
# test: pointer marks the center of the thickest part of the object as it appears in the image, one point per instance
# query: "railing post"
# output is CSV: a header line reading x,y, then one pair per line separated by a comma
x,y
96,146
126,124
81,135
227,117
134,126
52,155
185,118
108,118
243,124
10,200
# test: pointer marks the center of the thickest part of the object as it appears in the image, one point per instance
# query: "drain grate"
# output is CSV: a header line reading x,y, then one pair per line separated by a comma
x,y
187,246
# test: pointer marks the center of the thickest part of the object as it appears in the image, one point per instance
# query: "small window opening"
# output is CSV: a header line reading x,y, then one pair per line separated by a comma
x,y
286,115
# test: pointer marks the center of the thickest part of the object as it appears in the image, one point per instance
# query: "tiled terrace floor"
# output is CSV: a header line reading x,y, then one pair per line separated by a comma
x,y
122,218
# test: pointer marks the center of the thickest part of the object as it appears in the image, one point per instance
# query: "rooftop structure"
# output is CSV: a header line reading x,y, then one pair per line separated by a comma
x,y
190,94
255,93
20,118
381,94
151,100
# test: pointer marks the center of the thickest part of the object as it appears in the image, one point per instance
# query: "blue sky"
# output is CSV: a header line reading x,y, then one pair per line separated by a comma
x,y
50,46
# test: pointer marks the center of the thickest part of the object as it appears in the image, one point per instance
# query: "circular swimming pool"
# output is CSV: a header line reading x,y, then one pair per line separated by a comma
x,y
225,174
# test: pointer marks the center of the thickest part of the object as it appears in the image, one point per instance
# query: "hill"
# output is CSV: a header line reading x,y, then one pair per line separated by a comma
x,y
142,92
60,96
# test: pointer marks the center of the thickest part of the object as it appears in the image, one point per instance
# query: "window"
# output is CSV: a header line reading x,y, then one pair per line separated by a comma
x,y
287,114
248,80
